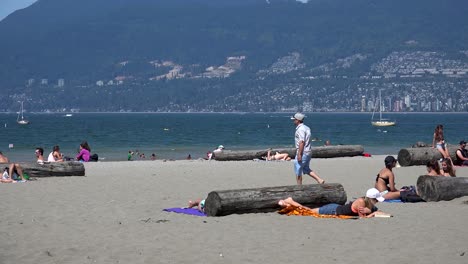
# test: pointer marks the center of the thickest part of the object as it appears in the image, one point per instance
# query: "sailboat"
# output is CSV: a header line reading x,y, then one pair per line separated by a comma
x,y
21,121
381,122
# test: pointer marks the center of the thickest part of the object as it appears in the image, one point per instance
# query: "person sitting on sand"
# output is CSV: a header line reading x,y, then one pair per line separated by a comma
x,y
363,207
277,156
85,152
13,169
199,203
39,155
55,155
385,181
447,168
433,168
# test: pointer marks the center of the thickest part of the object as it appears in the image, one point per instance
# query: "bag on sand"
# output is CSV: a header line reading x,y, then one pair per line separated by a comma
x,y
408,195
94,157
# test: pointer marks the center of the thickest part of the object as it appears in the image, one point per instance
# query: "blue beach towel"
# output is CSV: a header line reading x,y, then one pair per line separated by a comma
x,y
393,201
188,211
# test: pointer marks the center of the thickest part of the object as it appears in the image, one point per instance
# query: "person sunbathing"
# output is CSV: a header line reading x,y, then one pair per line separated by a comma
x,y
363,207
277,156
385,181
199,203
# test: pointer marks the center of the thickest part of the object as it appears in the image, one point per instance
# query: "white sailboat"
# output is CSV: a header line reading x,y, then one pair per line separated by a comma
x,y
381,122
21,120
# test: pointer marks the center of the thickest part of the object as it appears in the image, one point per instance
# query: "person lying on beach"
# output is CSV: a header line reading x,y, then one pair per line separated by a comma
x,y
199,203
363,207
447,168
385,181
433,168
13,169
277,156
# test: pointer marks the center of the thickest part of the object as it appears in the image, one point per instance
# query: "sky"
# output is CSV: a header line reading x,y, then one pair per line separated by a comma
x,y
9,6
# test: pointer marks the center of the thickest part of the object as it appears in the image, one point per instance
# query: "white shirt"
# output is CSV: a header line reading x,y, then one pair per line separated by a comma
x,y
303,134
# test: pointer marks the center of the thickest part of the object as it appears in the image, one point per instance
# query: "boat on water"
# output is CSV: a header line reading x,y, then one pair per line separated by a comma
x,y
382,122
20,119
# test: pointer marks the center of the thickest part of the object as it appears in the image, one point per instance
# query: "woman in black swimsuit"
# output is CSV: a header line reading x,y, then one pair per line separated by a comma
x,y
385,181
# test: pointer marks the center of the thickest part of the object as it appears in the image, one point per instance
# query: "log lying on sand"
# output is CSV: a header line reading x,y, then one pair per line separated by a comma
x,y
440,188
420,156
262,200
317,152
48,169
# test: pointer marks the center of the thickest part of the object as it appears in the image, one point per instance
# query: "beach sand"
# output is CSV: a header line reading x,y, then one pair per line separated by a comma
x,y
114,215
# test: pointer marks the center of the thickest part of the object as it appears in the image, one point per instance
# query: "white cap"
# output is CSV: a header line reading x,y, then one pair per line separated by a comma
x,y
221,146
298,116
375,194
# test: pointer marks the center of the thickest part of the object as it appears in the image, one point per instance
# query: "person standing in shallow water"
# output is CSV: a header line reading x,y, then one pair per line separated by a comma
x,y
303,150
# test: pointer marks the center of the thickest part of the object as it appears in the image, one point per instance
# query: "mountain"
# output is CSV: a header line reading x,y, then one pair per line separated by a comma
x,y
219,55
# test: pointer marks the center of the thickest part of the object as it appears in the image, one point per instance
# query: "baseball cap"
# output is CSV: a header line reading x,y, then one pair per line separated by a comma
x,y
462,142
221,146
298,116
375,194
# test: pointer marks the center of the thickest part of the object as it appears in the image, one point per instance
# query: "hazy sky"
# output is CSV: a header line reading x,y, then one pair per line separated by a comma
x,y
8,6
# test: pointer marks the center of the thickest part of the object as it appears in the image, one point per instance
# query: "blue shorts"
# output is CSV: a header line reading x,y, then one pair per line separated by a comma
x,y
440,146
329,209
303,167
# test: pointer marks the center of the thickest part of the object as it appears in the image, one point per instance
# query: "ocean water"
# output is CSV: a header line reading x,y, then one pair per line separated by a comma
x,y
176,135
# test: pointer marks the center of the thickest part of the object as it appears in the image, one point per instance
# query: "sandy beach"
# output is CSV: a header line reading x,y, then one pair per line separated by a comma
x,y
114,215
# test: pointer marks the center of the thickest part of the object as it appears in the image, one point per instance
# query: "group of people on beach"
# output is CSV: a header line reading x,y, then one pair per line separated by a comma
x,y
14,171
384,185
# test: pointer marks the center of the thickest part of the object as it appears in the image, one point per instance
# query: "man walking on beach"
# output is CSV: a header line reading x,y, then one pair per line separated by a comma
x,y
303,150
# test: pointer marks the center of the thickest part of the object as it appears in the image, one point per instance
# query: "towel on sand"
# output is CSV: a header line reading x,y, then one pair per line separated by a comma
x,y
291,210
393,201
189,211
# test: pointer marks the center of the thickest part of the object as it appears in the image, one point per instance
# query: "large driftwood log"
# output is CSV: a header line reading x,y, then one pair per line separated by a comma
x,y
317,152
440,188
48,169
420,156
261,200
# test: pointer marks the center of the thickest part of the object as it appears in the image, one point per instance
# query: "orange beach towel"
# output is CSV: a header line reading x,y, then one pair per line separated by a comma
x,y
291,210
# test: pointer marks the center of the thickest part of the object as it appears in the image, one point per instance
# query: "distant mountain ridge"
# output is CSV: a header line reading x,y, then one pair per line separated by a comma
x,y
175,45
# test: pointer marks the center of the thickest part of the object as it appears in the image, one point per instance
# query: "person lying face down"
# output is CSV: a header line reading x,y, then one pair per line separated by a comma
x,y
277,156
363,207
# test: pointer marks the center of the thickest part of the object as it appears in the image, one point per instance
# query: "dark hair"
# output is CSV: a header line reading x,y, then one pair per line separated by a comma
x,y
434,164
389,160
439,133
85,145
41,150
56,148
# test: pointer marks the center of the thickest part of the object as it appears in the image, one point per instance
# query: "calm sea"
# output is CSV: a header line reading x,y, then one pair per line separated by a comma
x,y
176,135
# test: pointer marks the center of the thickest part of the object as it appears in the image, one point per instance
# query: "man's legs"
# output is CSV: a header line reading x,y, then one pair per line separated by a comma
x,y
307,170
298,171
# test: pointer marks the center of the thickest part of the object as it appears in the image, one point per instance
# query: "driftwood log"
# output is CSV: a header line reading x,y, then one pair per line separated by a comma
x,y
261,200
420,156
48,169
441,188
317,152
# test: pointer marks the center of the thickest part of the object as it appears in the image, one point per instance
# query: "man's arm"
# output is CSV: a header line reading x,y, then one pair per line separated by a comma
x,y
300,151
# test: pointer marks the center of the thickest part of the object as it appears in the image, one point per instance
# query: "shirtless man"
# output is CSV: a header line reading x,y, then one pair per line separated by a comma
x,y
13,168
